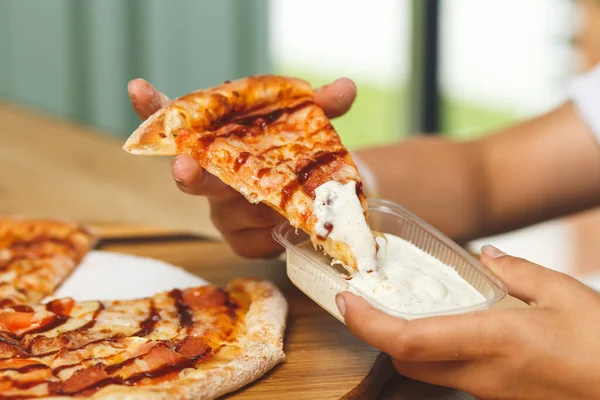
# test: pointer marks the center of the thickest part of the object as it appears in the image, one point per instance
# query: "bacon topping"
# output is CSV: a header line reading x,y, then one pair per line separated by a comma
x,y
204,297
193,347
61,307
84,378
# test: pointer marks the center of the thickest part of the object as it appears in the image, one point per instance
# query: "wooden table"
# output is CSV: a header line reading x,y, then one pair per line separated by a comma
x,y
56,168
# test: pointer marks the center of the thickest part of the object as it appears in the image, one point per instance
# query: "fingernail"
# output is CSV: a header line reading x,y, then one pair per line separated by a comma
x,y
492,251
173,163
341,303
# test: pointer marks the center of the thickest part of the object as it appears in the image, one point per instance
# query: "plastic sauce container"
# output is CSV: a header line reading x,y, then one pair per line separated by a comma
x,y
312,273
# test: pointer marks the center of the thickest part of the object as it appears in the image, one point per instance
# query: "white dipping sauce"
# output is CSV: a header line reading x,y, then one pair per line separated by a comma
x,y
399,276
337,206
415,282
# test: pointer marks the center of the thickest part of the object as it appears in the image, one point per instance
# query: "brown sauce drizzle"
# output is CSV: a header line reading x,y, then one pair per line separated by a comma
x,y
147,325
56,321
247,123
4,303
115,367
240,160
56,370
329,227
27,249
187,362
287,192
205,141
98,310
58,307
88,325
186,317
262,172
263,119
24,385
22,308
27,368
231,305
116,380
108,340
359,189
10,341
320,160
166,369
303,174
241,131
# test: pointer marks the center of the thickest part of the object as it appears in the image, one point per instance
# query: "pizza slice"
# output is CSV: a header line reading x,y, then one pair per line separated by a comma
x,y
37,255
195,343
265,137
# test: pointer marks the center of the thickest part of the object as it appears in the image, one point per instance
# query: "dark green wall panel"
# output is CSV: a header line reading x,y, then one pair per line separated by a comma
x,y
39,54
74,57
106,69
4,49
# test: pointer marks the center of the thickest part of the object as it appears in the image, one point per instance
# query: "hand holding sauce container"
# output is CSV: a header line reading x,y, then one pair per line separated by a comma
x,y
311,272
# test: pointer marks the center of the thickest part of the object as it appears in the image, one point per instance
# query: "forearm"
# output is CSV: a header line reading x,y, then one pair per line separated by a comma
x,y
541,169
433,177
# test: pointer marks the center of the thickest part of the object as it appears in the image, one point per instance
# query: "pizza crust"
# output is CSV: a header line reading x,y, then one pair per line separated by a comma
x,y
202,108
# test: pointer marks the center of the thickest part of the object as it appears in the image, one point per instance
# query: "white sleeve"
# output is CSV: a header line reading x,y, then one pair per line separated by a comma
x,y
585,94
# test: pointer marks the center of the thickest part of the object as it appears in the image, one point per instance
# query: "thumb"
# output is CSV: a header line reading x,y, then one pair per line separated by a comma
x,y
145,99
192,179
532,283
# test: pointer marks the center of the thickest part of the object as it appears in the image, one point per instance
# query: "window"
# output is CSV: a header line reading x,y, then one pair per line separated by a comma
x,y
369,42
501,61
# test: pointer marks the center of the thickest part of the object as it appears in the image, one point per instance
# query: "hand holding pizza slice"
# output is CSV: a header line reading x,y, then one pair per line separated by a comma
x,y
245,226
263,136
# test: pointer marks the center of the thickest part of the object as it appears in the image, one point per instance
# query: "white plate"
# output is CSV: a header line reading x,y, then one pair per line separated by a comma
x,y
104,275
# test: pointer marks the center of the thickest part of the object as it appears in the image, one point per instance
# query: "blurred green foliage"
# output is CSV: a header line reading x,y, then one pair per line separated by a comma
x,y
380,115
